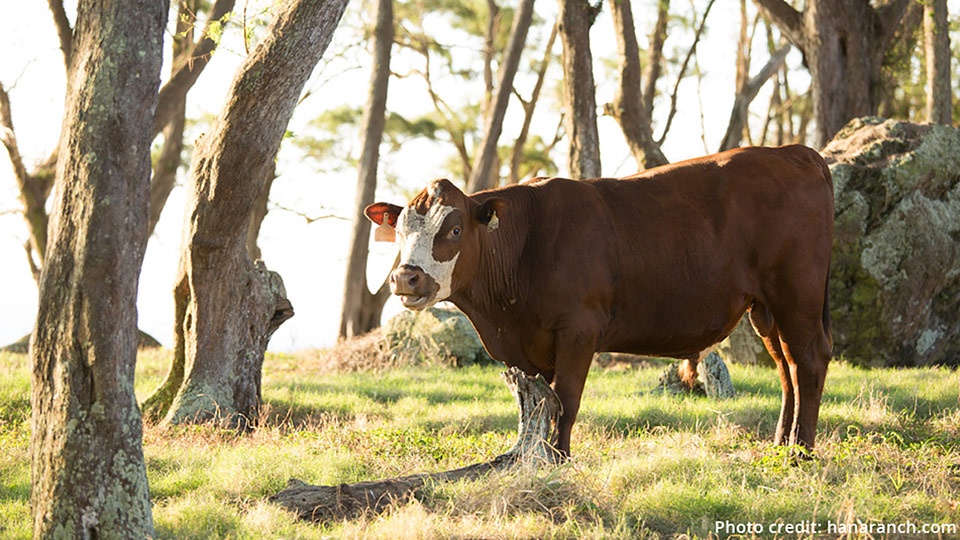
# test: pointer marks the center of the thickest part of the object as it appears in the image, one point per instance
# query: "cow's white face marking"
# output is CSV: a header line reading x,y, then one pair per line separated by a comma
x,y
417,234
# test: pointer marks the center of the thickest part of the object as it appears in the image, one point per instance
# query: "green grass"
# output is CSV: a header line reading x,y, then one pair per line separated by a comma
x,y
646,465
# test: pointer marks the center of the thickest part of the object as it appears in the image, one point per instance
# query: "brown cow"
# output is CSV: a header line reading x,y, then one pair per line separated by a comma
x,y
663,263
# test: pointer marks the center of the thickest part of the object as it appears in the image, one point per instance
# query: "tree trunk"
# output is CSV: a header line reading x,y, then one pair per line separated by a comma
x,y
483,175
361,310
580,104
88,474
655,55
843,42
539,411
628,105
516,155
936,39
226,307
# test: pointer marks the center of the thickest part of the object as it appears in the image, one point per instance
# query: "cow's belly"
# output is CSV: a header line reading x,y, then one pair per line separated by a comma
x,y
675,330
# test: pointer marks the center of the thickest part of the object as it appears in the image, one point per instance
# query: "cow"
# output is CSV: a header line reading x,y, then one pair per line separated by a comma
x,y
663,263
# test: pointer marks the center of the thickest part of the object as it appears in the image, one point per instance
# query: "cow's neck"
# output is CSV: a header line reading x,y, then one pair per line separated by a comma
x,y
496,290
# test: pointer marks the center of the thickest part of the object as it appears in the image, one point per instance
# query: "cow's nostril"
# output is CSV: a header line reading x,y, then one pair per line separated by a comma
x,y
413,279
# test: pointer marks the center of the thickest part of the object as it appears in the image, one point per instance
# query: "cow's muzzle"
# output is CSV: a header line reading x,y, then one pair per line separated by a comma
x,y
415,287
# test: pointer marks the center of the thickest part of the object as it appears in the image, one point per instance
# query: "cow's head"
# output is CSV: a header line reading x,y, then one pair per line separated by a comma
x,y
439,235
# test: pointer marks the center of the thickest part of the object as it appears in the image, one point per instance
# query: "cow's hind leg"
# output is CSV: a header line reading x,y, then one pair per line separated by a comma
x,y
763,324
801,348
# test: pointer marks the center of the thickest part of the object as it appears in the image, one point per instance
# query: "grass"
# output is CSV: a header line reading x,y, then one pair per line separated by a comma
x,y
646,465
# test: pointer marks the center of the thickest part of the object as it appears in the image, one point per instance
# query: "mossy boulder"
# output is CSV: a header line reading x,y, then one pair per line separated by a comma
x,y
895,272
444,333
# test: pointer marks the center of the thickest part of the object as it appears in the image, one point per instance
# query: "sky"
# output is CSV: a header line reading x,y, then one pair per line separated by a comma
x,y
311,257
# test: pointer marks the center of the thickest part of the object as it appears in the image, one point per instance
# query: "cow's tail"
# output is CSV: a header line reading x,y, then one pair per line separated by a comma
x,y
827,325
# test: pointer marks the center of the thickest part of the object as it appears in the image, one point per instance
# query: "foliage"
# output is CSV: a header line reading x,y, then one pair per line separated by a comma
x,y
646,466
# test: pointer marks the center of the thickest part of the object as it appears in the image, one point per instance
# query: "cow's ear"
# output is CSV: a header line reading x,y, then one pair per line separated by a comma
x,y
489,212
376,213
385,216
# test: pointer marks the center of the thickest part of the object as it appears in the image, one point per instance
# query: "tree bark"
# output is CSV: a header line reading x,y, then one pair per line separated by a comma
x,y
628,103
580,104
226,307
936,40
88,473
843,42
482,175
361,310
539,411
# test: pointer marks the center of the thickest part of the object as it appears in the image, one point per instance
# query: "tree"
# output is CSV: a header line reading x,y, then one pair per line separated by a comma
x,y
748,87
483,176
190,58
580,105
936,39
361,309
88,473
628,107
843,43
226,307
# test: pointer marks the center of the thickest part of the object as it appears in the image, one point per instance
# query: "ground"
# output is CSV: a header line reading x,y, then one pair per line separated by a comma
x,y
646,465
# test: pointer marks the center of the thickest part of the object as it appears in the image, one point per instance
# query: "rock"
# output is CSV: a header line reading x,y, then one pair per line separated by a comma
x,y
895,272
713,375
711,379
443,332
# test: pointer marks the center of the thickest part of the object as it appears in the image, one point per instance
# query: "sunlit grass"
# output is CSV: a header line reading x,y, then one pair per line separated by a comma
x,y
646,465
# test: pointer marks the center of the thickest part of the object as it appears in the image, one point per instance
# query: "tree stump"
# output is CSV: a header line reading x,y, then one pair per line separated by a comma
x,y
539,411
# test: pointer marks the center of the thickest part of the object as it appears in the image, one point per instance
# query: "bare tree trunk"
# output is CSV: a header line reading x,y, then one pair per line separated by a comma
x,y
88,474
361,310
627,107
843,42
231,306
936,39
580,104
655,55
516,155
483,175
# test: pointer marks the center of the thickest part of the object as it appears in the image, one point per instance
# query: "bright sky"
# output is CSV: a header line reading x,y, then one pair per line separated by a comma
x,y
311,257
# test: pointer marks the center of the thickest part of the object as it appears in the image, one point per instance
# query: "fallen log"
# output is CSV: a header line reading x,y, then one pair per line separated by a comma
x,y
539,410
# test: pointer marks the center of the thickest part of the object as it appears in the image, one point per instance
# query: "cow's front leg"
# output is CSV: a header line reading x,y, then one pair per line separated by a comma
x,y
573,357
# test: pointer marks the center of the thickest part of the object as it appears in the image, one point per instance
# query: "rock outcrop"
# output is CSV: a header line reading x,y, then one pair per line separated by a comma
x,y
895,273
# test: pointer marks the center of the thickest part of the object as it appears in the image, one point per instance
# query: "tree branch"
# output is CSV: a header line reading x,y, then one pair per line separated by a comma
x,y
187,73
749,90
530,106
889,17
683,69
64,31
787,19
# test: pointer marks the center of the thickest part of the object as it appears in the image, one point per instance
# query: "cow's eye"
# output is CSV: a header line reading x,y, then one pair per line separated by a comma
x,y
455,232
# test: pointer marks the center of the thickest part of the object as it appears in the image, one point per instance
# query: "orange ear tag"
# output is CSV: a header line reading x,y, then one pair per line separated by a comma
x,y
384,232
